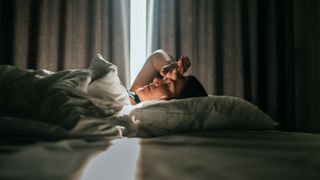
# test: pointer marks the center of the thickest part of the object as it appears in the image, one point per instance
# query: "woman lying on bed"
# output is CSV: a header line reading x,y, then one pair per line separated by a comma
x,y
163,78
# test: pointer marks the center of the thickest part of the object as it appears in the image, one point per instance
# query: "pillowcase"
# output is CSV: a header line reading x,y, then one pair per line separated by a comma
x,y
160,117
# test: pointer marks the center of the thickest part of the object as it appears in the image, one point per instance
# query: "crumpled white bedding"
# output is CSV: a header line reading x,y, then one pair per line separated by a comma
x,y
66,103
93,102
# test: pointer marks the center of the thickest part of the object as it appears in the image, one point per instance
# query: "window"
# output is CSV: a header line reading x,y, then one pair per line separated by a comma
x,y
138,36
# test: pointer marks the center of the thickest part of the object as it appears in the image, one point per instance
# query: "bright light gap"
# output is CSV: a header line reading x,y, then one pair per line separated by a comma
x,y
138,45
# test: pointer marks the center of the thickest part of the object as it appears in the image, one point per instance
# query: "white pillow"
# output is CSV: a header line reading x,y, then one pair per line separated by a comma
x,y
154,118
106,85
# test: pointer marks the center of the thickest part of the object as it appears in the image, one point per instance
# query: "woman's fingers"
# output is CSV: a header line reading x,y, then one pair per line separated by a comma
x,y
184,64
167,70
176,69
174,75
163,72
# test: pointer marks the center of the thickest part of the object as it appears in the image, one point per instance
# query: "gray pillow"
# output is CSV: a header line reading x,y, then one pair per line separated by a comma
x,y
154,118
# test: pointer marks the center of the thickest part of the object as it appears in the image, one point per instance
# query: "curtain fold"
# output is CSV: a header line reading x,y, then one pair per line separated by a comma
x,y
238,48
60,34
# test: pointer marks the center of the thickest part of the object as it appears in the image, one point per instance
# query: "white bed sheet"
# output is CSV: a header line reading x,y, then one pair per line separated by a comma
x,y
231,155
205,155
47,160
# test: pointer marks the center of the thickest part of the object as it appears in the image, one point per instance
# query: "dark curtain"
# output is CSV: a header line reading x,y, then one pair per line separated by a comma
x,y
241,48
60,34
307,57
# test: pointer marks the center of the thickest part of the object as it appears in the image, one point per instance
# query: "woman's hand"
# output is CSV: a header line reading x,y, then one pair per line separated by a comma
x,y
176,69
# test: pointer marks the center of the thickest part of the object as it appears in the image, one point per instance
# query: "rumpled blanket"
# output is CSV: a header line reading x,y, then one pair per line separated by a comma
x,y
74,102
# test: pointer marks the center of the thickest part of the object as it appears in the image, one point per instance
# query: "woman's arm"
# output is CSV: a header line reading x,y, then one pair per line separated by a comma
x,y
151,68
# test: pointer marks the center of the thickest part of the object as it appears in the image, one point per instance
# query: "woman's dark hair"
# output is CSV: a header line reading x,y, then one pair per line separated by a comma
x,y
192,88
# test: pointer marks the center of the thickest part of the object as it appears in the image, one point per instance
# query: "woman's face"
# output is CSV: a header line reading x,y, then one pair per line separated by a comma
x,y
161,89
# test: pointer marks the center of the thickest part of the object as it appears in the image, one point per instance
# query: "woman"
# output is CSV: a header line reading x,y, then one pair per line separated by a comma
x,y
163,78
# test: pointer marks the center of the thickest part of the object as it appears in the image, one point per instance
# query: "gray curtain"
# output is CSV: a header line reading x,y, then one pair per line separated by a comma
x,y
60,34
307,58
238,48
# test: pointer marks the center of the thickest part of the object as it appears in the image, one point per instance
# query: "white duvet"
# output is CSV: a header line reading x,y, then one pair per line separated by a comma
x,y
93,102
66,103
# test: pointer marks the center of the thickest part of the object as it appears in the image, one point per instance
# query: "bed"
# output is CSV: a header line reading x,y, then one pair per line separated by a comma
x,y
79,124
